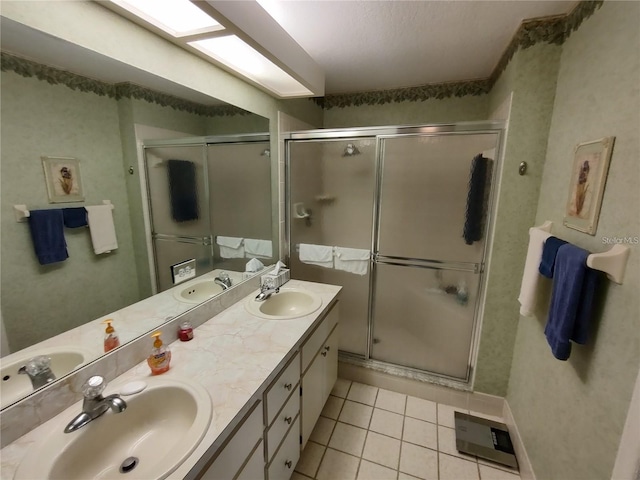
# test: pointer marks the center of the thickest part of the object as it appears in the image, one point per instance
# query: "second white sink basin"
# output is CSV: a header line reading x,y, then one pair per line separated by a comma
x,y
289,303
159,429
198,292
14,386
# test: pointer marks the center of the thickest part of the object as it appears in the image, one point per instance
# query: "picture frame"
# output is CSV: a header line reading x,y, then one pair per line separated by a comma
x,y
586,187
63,179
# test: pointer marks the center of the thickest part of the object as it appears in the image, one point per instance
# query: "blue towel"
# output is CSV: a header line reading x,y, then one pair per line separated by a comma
x,y
47,233
474,213
74,217
183,190
549,251
574,287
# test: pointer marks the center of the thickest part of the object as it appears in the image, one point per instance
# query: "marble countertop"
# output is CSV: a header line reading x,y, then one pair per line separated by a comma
x,y
233,356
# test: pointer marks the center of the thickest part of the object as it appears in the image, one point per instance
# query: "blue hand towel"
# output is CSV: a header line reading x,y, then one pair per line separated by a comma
x,y
549,251
47,232
183,190
574,287
74,217
474,213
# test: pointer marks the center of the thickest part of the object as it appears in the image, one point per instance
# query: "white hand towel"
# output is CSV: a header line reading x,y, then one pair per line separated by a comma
x,y
103,231
531,278
319,255
257,248
230,247
353,260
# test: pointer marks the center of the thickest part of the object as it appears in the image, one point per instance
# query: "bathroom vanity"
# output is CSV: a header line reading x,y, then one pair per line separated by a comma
x,y
267,380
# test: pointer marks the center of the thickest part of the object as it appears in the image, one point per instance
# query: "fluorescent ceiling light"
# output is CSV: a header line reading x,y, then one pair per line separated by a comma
x,y
240,57
176,17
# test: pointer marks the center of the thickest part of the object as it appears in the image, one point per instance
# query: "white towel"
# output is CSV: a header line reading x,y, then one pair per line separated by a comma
x,y
230,247
103,232
530,287
353,260
319,255
257,248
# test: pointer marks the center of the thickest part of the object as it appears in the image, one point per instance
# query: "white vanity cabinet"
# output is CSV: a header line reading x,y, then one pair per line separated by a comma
x,y
319,371
267,442
239,455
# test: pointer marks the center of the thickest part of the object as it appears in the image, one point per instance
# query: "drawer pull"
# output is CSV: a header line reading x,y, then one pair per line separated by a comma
x,y
327,348
324,354
288,386
288,420
288,463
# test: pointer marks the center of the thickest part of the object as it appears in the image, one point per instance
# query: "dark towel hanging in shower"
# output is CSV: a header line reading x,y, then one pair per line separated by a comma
x,y
476,199
182,190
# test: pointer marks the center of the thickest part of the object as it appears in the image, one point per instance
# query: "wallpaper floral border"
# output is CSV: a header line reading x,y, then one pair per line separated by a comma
x,y
553,29
55,76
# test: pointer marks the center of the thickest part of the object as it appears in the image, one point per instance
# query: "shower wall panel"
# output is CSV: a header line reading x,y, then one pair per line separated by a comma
x,y
339,191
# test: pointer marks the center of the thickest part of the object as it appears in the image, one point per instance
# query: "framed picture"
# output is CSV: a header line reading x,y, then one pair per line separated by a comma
x,y
588,177
63,179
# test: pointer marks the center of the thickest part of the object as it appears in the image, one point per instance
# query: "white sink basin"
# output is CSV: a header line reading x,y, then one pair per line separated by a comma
x,y
198,292
14,387
287,304
161,426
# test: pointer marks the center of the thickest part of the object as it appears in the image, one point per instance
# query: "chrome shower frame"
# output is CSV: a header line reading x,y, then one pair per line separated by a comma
x,y
379,134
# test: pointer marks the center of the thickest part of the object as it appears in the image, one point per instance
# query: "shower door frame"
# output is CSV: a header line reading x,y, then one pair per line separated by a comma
x,y
380,134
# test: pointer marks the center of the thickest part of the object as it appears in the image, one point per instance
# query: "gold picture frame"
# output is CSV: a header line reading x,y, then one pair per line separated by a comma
x,y
586,188
63,179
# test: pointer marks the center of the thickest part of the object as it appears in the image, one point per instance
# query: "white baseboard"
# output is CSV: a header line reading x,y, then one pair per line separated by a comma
x,y
526,470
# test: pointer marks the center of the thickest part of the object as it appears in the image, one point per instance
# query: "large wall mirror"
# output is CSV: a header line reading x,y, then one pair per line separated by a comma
x,y
59,100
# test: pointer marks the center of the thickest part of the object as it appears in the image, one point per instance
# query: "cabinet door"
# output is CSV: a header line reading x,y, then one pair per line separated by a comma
x,y
312,395
254,469
331,363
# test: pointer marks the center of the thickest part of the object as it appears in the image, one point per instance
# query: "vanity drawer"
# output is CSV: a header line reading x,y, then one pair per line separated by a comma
x,y
281,468
254,469
281,424
239,447
282,387
317,338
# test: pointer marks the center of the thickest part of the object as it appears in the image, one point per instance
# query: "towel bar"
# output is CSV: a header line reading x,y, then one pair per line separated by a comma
x,y
612,262
22,212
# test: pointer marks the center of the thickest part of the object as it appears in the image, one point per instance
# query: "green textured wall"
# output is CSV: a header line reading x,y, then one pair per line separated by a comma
x,y
41,119
531,76
409,113
571,414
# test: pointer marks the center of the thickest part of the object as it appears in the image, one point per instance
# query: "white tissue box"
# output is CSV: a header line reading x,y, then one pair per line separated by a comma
x,y
276,281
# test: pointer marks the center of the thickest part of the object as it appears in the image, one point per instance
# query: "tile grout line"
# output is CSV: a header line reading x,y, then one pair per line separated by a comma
x,y
326,447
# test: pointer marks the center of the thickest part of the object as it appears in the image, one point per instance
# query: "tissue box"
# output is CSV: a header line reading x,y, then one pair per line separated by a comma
x,y
275,281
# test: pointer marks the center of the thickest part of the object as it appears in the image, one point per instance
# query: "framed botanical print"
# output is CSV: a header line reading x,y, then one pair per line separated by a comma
x,y
586,189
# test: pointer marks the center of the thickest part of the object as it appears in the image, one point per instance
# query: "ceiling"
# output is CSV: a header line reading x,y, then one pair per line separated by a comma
x,y
362,45
365,45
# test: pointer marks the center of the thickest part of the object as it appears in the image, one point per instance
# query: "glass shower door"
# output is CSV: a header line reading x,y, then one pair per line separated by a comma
x,y
427,273
331,202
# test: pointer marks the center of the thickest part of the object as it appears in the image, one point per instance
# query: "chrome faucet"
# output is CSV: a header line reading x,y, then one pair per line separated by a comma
x,y
223,280
94,404
39,371
265,292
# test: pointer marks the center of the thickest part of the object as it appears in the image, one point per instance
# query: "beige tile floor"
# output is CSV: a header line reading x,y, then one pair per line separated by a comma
x,y
367,433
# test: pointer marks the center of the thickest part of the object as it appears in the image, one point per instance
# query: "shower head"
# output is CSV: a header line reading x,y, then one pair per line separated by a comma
x,y
350,150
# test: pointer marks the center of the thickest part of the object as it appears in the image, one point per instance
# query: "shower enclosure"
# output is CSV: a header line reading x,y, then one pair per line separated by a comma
x,y
199,188
418,200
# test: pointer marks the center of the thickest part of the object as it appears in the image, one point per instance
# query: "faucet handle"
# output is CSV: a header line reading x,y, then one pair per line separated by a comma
x,y
93,387
37,365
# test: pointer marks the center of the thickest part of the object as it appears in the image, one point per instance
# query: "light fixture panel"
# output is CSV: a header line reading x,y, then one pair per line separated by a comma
x,y
242,58
176,17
